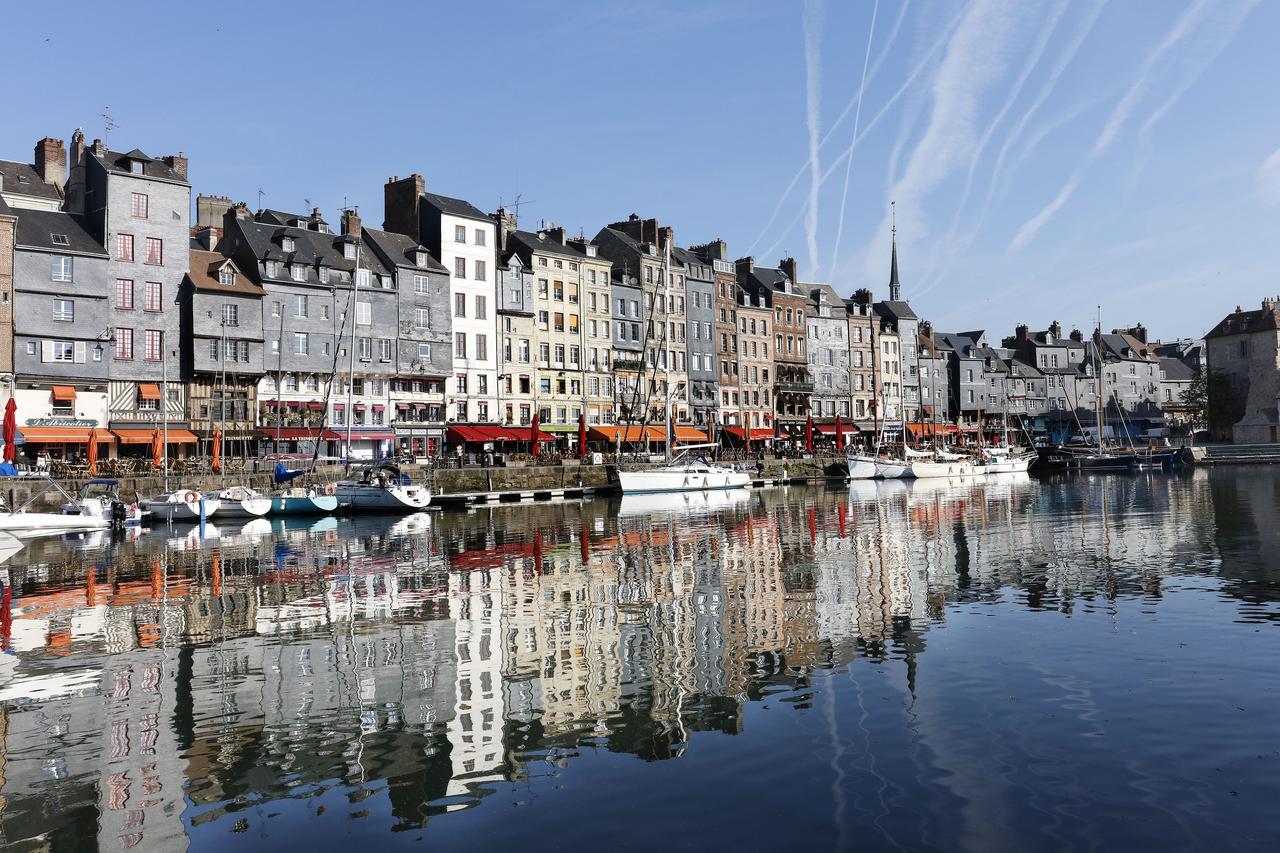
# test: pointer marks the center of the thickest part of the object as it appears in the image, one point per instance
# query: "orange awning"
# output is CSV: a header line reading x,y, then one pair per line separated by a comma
x,y
651,433
690,434
143,436
148,391
64,393
930,429
61,435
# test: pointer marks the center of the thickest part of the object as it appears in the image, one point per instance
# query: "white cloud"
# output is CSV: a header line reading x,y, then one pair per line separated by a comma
x,y
1269,179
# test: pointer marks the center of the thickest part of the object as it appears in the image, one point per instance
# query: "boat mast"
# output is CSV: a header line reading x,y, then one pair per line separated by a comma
x,y
1097,363
666,316
352,312
222,354
164,407
280,379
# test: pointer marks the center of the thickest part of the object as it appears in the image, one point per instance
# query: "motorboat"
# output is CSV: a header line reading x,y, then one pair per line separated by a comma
x,y
305,501
381,487
242,502
21,523
941,463
98,498
182,505
861,467
1007,460
685,473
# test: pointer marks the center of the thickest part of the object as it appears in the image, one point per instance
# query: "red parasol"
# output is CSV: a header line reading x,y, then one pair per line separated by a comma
x,y
808,434
839,433
536,436
10,428
157,449
93,452
216,465
582,436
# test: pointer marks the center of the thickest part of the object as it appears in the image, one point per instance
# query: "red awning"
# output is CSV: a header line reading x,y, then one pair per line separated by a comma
x,y
148,391
482,433
64,393
268,404
404,407
755,434
830,429
295,433
367,434
315,406
359,407
143,436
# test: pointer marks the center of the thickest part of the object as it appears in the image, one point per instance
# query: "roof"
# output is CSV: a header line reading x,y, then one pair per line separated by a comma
x,y
311,249
899,310
1019,368
528,242
455,207
36,229
23,179
1117,344
1175,370
827,292
117,162
963,345
204,270
768,281
402,249
1247,322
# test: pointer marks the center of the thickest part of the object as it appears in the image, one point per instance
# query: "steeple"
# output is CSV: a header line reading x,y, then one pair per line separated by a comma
x,y
895,289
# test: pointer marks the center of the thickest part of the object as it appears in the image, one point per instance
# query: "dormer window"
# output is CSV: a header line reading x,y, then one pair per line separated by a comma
x,y
420,258
324,275
287,244
298,271
23,179
226,275
349,251
135,166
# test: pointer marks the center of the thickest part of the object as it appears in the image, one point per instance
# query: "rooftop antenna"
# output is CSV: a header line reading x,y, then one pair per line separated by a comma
x,y
261,193
893,213
108,124
307,202
515,205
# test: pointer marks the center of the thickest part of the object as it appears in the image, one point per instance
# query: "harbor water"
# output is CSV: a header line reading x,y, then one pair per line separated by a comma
x,y
1009,663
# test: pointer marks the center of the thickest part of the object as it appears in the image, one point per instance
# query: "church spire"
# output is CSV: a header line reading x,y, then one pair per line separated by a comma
x,y
895,289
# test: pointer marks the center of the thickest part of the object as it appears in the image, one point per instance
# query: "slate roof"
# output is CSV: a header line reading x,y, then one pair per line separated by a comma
x,y
203,275
402,249
528,242
117,162
1247,322
1175,371
13,181
455,207
833,299
767,281
37,227
311,248
899,310
961,343
1021,370
992,361
1116,344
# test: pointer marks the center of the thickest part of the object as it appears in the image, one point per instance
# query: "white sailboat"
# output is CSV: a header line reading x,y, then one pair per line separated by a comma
x,y
381,487
242,502
183,505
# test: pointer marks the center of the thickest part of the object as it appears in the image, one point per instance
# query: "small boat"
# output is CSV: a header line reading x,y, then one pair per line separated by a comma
x,y
381,487
304,501
98,499
184,505
1007,460
685,473
861,467
21,523
242,502
941,463
888,468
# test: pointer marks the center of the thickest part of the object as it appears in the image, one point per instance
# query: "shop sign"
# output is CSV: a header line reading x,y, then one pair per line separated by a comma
x,y
62,422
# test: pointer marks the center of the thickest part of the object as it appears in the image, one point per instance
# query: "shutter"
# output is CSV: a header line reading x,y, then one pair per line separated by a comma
x,y
79,352
46,351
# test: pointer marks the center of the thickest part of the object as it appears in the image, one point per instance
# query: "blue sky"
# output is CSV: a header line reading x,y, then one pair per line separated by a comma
x,y
1045,157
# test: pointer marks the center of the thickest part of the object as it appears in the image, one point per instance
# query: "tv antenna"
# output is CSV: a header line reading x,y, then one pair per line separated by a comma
x,y
108,124
261,193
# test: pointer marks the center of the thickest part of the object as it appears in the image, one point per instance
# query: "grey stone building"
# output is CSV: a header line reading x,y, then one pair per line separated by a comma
x,y
934,373
221,350
626,295
1131,371
829,354
517,378
700,337
423,341
139,207
62,340
967,385
725,307
896,309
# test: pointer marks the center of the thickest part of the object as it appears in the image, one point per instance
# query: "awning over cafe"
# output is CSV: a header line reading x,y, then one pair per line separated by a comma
x,y
748,434
484,433
611,434
143,436
315,406
64,393
930,429
62,435
358,434
296,433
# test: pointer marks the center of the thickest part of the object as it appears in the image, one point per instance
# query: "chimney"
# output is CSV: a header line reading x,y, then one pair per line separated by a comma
x,y
51,161
1268,304
74,192
506,221
926,329
1140,332
400,198
666,236
862,296
716,250
239,210
745,266
1020,333
207,236
1055,329
1077,336
99,149
350,223
210,209
788,267
556,234
178,163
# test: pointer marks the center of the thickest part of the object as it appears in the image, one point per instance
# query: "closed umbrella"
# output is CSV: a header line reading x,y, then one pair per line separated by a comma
x,y
216,465
157,449
808,434
10,428
536,436
582,436
93,452
839,433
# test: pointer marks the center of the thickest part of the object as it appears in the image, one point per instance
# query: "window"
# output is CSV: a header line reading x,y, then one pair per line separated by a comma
x,y
139,205
480,237
424,352
298,272
62,268
459,305
287,244
482,347
349,251
124,247
420,285
60,239
460,383
226,275
364,314
481,308
153,296
324,275
421,318
384,349
301,343
459,267
124,344
544,353
460,345
459,233
365,348
155,251
152,339
481,268
300,305
230,315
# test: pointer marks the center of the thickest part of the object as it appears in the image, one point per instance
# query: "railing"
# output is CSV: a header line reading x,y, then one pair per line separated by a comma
x,y
628,364
794,387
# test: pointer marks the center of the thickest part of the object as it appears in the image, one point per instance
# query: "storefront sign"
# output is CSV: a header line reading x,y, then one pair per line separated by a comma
x,y
62,422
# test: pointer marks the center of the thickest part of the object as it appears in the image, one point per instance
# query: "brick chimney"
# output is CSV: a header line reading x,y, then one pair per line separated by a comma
x,y
789,268
1077,336
1020,333
506,221
51,161
178,163
350,223
1055,329
862,296
400,199
745,266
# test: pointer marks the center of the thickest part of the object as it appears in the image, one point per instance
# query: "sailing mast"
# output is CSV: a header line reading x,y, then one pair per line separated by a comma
x,y
666,316
222,350
1097,364
352,310
280,379
164,407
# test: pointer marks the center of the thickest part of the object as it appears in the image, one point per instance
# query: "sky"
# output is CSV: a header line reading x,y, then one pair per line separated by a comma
x,y
1046,158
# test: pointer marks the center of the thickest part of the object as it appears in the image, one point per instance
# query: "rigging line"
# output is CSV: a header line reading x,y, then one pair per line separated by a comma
x,y
333,373
857,115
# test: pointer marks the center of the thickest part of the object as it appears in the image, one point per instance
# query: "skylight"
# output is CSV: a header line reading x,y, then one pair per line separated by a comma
x,y
60,239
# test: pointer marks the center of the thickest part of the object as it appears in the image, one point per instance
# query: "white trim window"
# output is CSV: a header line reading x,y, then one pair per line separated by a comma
x,y
62,268
64,310
364,314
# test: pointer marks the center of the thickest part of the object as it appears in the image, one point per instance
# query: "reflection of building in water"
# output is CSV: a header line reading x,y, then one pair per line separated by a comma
x,y
475,728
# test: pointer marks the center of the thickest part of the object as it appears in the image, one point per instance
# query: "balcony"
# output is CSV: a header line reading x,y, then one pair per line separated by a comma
x,y
794,387
628,364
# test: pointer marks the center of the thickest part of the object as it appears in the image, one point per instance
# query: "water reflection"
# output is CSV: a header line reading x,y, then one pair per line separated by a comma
x,y
275,676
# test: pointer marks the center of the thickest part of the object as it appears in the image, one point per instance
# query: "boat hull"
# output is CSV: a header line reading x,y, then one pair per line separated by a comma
x,y
861,467
317,505
245,508
20,523
889,470
181,511
652,482
361,497
1010,466
928,470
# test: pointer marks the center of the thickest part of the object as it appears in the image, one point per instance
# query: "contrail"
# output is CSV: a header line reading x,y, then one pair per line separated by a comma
x,y
857,114
813,25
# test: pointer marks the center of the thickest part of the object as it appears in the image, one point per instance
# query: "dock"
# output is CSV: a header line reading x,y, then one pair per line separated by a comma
x,y
463,500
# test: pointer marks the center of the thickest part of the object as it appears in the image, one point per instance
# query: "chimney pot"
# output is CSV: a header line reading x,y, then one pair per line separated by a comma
x,y
51,161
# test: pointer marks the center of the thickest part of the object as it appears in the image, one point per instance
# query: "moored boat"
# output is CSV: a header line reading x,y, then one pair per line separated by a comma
x,y
684,473
308,501
182,505
242,502
381,488
861,467
99,498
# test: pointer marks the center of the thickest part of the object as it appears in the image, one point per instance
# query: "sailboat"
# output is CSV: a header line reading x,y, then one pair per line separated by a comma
x,y
236,501
686,470
186,505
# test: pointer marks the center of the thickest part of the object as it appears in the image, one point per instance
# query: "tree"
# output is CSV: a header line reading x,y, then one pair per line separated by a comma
x,y
1212,402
